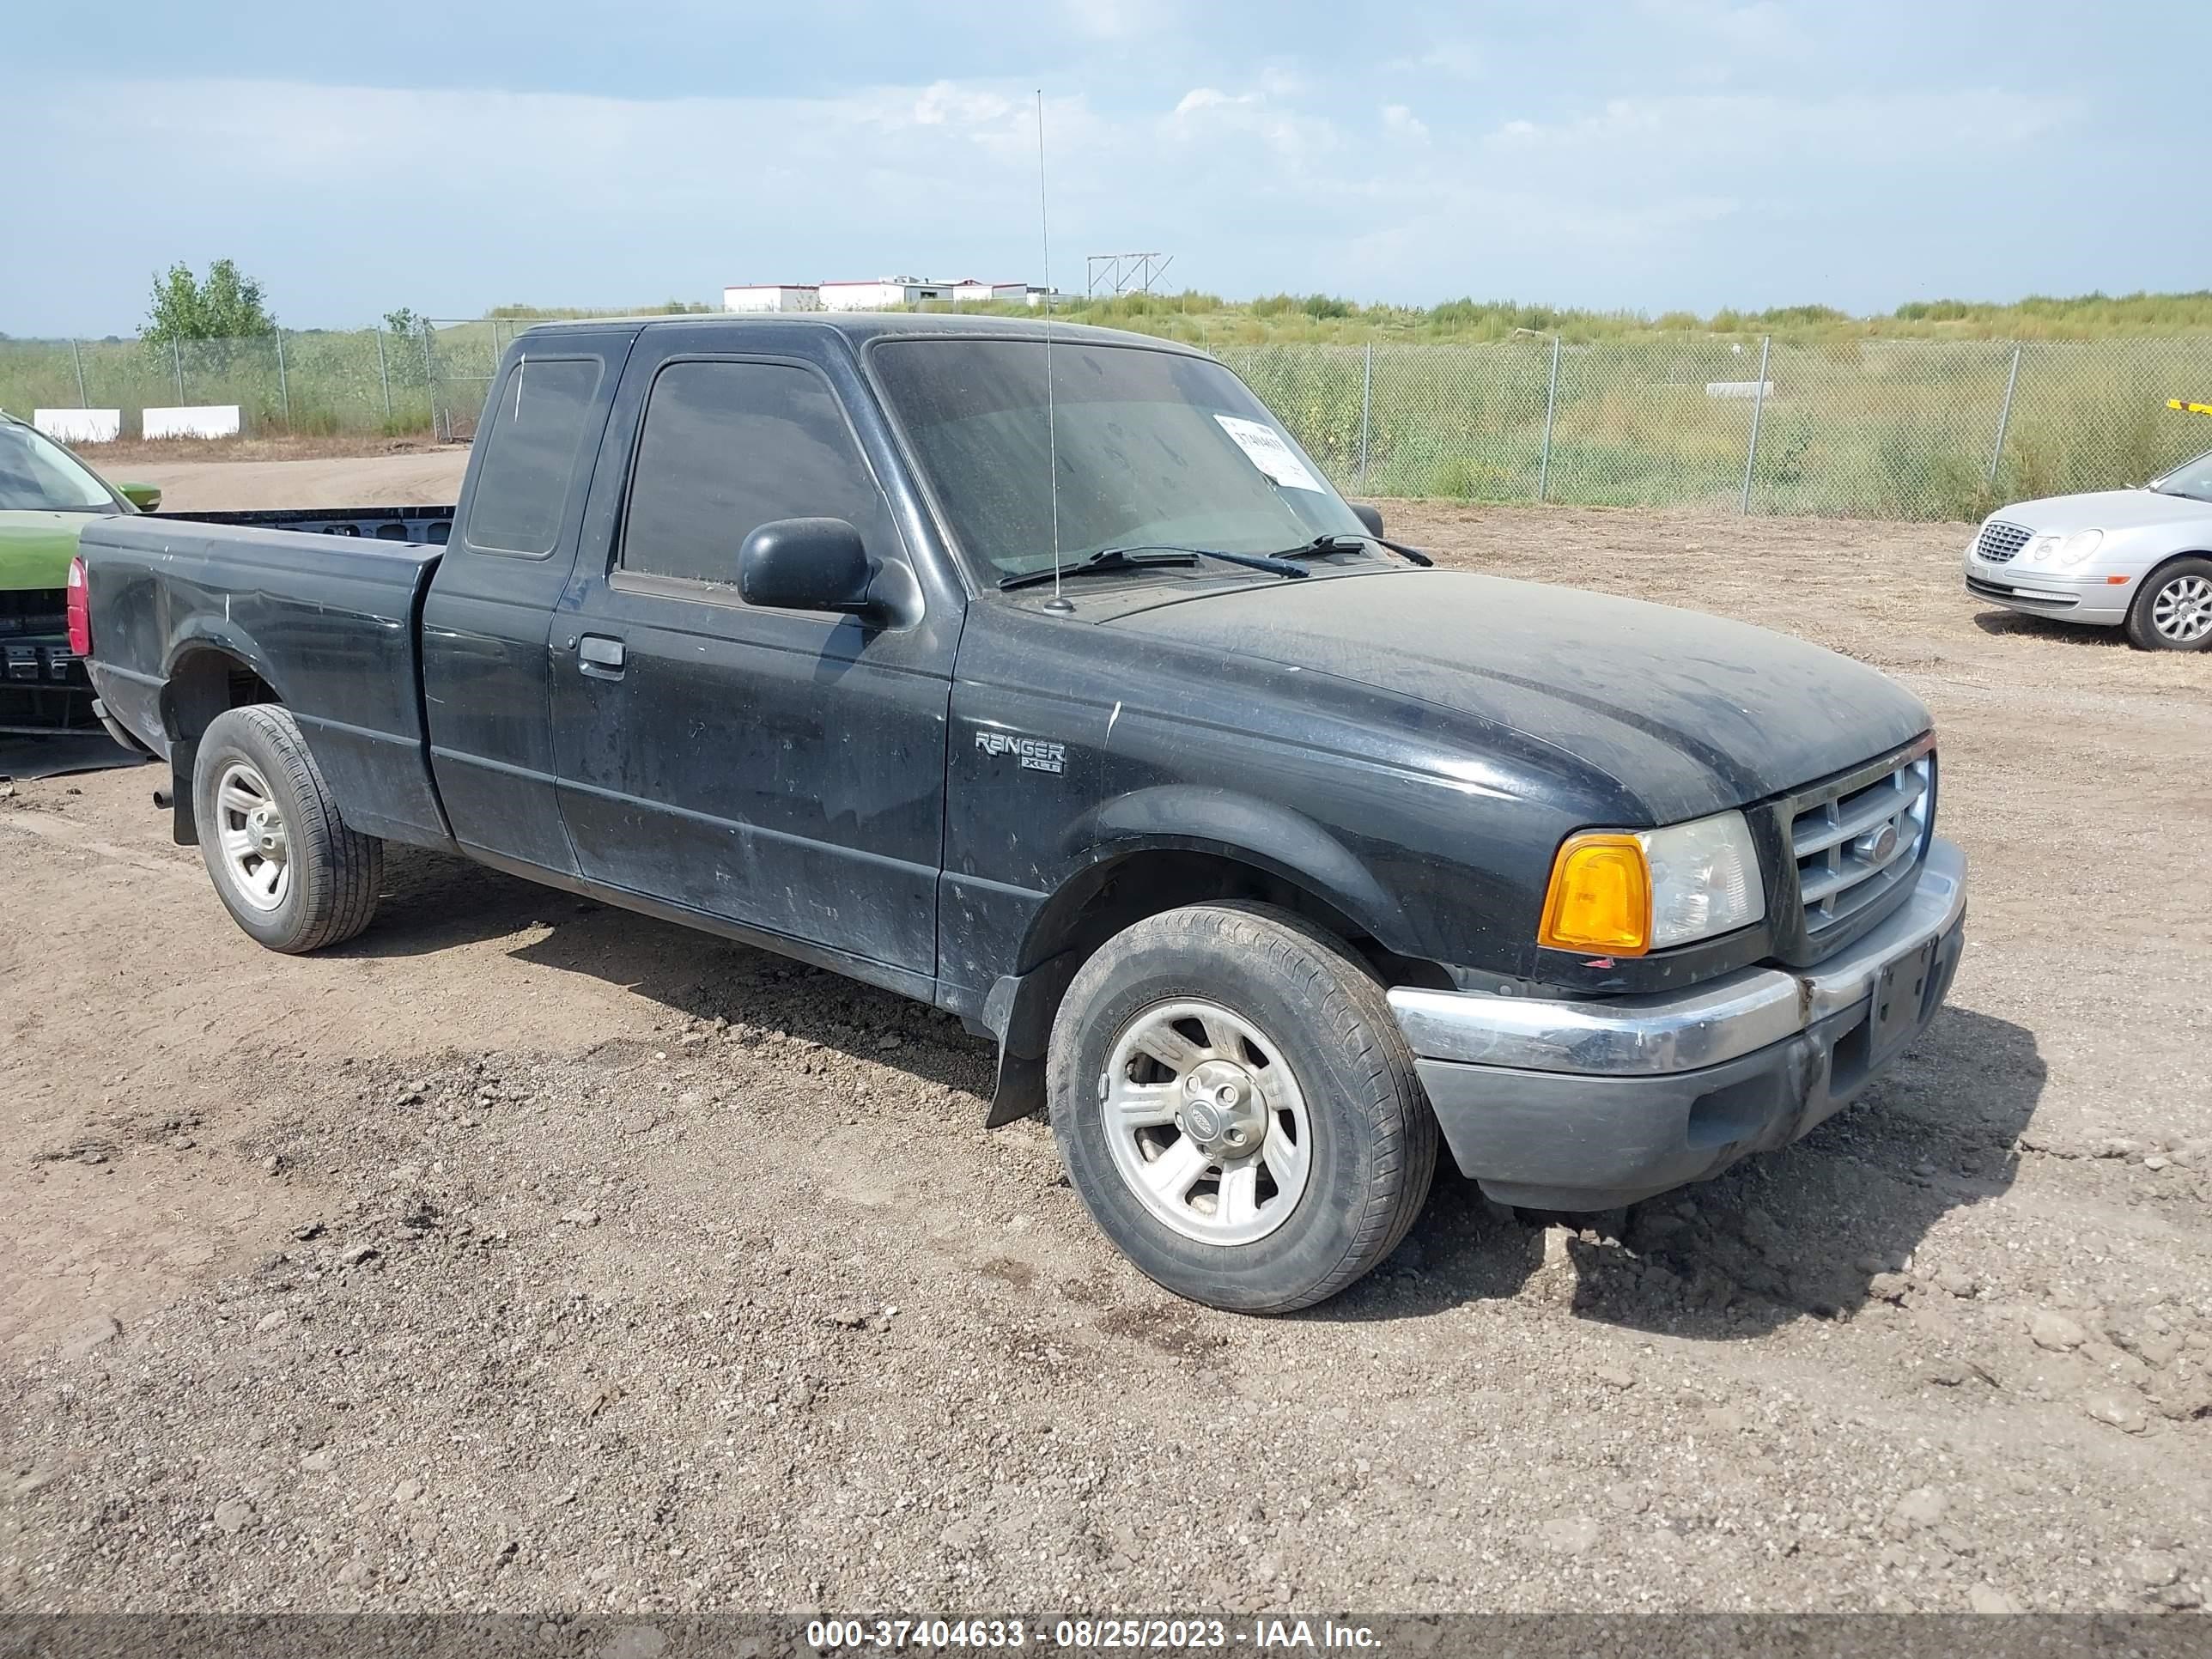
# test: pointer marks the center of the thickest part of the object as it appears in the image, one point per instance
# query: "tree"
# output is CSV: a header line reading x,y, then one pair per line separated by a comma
x,y
404,321
227,306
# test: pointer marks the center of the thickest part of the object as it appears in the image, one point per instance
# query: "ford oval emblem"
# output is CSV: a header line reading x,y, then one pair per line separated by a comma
x,y
1885,844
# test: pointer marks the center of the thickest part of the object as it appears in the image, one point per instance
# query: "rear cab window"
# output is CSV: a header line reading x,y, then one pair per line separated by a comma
x,y
539,440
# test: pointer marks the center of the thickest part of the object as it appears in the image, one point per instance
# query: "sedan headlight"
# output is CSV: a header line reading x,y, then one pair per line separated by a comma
x,y
2053,548
1623,892
2080,546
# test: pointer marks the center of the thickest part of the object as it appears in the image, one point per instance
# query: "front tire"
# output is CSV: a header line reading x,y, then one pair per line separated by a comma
x,y
1238,1108
2173,610
284,862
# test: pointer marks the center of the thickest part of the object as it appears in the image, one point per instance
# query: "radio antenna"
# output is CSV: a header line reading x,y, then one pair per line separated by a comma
x,y
1051,413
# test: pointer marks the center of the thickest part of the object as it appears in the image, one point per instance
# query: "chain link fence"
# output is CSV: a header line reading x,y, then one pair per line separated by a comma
x,y
429,379
1868,427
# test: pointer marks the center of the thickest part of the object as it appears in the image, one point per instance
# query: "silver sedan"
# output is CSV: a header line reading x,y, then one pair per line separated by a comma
x,y
2136,559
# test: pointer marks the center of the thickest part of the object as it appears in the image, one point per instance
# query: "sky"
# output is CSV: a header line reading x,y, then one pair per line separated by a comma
x,y
1648,154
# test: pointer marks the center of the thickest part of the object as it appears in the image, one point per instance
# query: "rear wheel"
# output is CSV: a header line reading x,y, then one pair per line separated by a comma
x,y
2173,610
1238,1108
284,862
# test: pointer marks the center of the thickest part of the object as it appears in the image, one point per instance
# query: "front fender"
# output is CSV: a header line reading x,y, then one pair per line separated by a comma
x,y
1197,817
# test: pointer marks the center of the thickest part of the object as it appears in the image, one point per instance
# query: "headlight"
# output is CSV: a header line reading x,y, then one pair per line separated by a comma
x,y
1623,892
2051,548
2079,546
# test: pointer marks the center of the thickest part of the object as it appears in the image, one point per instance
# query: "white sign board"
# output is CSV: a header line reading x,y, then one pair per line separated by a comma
x,y
79,425
1739,389
1265,448
199,421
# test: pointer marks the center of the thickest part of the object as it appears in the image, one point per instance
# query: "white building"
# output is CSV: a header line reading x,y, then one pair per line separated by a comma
x,y
882,294
772,297
972,292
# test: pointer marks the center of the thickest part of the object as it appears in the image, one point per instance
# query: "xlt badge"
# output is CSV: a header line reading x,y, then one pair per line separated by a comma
x,y
1036,754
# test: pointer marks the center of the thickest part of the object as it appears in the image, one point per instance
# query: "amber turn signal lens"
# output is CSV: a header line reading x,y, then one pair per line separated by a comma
x,y
1600,897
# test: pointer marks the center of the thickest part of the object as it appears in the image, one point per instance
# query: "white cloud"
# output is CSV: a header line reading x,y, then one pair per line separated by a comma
x,y
1452,60
1201,97
1757,128
1401,123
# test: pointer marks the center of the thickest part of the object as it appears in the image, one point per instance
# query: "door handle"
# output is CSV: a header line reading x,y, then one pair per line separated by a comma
x,y
600,657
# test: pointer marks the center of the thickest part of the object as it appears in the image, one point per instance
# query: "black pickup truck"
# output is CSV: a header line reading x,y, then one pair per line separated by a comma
x,y
1048,681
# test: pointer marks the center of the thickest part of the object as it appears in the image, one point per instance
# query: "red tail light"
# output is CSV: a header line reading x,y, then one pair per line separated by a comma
x,y
80,611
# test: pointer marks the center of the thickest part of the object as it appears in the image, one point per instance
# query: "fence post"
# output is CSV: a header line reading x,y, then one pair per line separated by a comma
x,y
2004,415
1366,407
1758,409
177,362
384,374
430,385
77,359
283,385
1551,403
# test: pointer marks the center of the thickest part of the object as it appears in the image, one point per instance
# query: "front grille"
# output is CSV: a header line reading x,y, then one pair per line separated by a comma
x,y
2000,541
1856,849
33,610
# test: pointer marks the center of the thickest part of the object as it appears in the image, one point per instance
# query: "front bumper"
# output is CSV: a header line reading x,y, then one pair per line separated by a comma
x,y
42,687
2077,597
1587,1105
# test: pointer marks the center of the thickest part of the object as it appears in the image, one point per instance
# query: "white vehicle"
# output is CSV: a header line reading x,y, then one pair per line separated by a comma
x,y
2137,559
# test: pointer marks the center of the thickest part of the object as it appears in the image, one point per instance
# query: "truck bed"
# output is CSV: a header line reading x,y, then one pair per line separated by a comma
x,y
327,617
428,526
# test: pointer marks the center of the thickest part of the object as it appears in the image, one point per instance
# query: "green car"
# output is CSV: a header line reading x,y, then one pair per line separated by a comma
x,y
46,495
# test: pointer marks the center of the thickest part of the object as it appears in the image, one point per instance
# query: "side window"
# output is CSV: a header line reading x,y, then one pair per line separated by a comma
x,y
539,418
727,447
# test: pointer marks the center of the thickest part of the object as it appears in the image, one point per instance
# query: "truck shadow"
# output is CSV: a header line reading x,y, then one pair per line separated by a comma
x,y
435,902
1783,1235
1807,1231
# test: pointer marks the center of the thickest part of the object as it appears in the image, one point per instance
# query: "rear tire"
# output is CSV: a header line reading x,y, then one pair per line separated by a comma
x,y
283,861
1238,1107
2173,610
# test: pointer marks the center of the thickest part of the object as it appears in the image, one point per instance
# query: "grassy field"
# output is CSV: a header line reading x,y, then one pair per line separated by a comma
x,y
1896,416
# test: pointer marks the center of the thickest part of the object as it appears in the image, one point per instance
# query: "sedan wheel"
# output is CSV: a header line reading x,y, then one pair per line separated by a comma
x,y
2173,610
2182,611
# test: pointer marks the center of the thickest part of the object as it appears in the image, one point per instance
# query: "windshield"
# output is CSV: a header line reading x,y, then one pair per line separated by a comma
x,y
2191,478
1154,448
38,475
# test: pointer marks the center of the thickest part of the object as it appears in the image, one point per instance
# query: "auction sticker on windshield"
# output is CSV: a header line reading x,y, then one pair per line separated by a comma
x,y
1265,448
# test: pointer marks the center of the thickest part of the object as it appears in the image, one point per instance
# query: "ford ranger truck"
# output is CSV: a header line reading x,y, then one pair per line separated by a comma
x,y
1045,679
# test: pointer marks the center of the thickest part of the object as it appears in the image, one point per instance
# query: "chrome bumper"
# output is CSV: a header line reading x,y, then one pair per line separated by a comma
x,y
1679,1031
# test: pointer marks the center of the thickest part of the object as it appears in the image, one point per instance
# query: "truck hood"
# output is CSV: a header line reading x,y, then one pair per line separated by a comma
x,y
2107,509
1687,713
36,548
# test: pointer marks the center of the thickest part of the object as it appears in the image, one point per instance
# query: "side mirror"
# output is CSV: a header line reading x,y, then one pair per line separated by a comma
x,y
144,496
1369,516
804,564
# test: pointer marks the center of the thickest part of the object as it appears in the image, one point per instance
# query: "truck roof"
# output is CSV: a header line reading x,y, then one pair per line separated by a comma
x,y
862,325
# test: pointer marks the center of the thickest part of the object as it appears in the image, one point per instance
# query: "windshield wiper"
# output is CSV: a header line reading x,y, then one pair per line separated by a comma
x,y
1349,543
1151,554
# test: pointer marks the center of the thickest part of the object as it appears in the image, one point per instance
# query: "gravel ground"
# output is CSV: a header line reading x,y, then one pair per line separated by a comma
x,y
526,1255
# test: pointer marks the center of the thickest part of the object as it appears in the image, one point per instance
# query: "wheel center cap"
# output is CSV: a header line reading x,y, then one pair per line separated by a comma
x,y
1222,1109
266,832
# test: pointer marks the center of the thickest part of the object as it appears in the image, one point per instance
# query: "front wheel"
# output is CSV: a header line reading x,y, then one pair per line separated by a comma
x,y
284,862
1238,1108
2173,611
